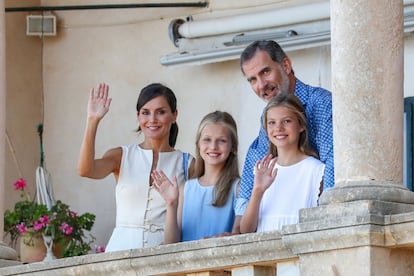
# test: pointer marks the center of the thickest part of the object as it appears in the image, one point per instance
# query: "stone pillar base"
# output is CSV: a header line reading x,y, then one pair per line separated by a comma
x,y
350,224
363,237
367,190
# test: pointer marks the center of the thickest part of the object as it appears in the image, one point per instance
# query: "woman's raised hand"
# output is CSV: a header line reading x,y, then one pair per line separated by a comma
x,y
98,104
265,173
167,189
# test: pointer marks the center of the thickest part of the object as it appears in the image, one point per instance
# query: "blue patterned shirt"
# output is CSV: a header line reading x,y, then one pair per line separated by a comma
x,y
318,108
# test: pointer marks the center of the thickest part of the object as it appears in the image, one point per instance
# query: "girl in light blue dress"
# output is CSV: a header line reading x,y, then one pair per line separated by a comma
x,y
204,206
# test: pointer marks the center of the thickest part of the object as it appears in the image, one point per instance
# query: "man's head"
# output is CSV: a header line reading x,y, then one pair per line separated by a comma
x,y
267,68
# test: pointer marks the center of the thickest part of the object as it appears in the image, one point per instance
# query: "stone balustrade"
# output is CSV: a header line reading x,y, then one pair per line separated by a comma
x,y
233,255
328,249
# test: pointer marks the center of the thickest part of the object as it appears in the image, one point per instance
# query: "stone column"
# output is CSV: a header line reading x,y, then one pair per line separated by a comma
x,y
7,254
364,224
367,84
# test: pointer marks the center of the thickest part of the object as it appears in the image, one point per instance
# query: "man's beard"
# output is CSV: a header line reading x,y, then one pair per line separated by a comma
x,y
282,88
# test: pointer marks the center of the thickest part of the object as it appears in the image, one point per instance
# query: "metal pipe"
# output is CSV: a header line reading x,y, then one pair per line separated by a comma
x,y
261,20
297,42
201,4
255,21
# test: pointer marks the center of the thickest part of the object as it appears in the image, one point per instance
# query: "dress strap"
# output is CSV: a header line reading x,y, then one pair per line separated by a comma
x,y
186,157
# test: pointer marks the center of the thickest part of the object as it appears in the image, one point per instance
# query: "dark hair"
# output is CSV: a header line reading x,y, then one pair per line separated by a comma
x,y
152,91
230,171
291,102
271,47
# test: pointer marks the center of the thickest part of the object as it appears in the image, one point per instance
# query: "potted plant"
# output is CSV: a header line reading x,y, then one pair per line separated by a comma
x,y
34,220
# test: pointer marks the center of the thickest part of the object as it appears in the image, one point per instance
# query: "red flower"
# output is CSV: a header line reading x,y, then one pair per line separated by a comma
x,y
20,184
99,248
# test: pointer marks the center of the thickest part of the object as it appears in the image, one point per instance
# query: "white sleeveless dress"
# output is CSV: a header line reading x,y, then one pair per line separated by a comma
x,y
294,188
140,210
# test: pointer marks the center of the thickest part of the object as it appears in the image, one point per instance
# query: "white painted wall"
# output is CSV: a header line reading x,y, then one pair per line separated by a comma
x,y
122,48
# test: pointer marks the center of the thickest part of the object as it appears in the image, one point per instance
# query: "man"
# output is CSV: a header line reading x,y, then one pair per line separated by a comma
x,y
269,71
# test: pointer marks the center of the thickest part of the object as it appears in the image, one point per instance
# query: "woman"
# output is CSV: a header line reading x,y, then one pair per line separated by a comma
x,y
140,210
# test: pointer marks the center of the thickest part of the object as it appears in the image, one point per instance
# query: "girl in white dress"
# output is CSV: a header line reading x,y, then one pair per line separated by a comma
x,y
140,210
290,177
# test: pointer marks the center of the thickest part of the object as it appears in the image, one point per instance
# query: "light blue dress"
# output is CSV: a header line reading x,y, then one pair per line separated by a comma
x,y
200,219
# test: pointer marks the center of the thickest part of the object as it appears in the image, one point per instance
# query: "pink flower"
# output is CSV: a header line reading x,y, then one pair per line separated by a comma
x,y
99,248
44,220
73,214
37,226
63,226
20,184
22,228
69,230
66,228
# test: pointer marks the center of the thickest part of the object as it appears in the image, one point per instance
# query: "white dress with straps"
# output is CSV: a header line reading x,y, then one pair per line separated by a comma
x,y
140,210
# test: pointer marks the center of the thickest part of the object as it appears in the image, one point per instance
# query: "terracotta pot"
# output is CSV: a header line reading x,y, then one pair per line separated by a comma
x,y
59,247
33,249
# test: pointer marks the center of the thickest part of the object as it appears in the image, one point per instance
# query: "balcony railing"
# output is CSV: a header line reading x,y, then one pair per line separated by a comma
x,y
251,254
341,243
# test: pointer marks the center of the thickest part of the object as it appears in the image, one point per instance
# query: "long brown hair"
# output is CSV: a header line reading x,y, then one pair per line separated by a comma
x,y
230,171
291,102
